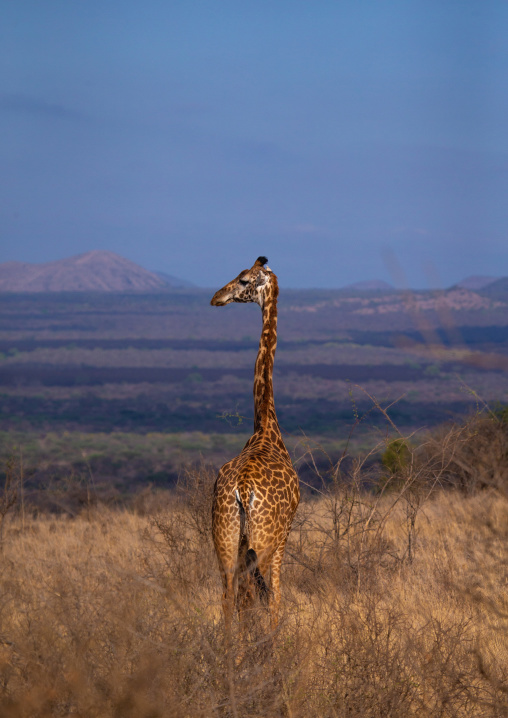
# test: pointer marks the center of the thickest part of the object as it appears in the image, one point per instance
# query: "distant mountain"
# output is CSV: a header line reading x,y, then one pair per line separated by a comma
x,y
96,271
373,285
496,290
172,281
476,282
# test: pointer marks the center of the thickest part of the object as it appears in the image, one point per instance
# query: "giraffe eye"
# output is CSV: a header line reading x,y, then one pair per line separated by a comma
x,y
244,282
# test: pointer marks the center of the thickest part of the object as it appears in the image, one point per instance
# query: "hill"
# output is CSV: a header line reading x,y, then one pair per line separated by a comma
x,y
497,290
174,282
476,282
96,271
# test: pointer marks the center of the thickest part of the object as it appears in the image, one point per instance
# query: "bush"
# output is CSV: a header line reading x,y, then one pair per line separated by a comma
x,y
396,456
394,602
472,456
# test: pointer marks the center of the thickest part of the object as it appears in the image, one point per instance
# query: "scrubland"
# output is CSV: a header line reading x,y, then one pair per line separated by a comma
x,y
394,604
171,363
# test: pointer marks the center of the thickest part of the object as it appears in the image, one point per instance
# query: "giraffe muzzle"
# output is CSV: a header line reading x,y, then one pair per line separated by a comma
x,y
219,299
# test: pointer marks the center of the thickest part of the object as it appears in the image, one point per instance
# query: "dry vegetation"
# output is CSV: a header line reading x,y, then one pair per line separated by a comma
x,y
394,598
171,363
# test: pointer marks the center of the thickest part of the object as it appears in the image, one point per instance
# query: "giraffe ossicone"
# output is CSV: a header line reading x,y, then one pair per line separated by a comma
x,y
256,494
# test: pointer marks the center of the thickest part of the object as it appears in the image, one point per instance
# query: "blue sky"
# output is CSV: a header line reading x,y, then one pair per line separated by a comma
x,y
193,136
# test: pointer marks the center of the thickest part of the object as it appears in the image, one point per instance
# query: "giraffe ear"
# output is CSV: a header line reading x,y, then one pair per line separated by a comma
x,y
261,279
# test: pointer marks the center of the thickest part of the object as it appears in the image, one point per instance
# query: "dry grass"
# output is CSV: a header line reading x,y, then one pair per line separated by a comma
x,y
394,604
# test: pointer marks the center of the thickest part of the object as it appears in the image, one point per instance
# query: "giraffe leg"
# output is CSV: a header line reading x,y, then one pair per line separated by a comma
x,y
275,584
228,605
228,601
244,601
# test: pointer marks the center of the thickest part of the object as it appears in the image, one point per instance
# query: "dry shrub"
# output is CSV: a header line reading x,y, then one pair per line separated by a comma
x,y
394,604
411,638
9,493
471,456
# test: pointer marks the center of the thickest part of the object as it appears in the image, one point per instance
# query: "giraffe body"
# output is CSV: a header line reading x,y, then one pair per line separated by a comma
x,y
256,494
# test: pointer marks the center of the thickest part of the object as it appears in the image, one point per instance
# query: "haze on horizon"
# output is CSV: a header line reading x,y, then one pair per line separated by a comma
x,y
342,140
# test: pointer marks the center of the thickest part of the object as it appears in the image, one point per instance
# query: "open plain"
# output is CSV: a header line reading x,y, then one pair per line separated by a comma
x,y
131,387
116,412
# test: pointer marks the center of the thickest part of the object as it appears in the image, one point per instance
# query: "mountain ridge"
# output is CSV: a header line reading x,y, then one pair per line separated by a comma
x,y
97,270
476,282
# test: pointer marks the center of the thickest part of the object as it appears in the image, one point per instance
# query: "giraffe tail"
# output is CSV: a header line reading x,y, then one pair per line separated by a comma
x,y
251,562
250,567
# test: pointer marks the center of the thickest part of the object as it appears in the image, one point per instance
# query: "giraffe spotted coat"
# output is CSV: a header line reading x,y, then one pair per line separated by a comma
x,y
256,494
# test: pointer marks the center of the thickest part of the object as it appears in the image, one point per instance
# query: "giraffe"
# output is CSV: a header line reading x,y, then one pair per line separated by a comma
x,y
256,494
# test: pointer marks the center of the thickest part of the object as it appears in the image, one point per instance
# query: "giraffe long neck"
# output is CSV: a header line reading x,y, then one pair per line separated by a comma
x,y
264,408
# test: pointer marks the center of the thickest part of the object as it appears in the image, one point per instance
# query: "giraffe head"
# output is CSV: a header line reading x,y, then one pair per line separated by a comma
x,y
251,285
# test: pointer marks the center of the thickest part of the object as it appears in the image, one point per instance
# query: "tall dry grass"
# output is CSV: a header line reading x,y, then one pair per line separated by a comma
x,y
394,601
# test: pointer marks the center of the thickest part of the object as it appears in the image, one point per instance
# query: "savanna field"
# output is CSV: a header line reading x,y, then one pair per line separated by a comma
x,y
115,414
394,596
278,491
